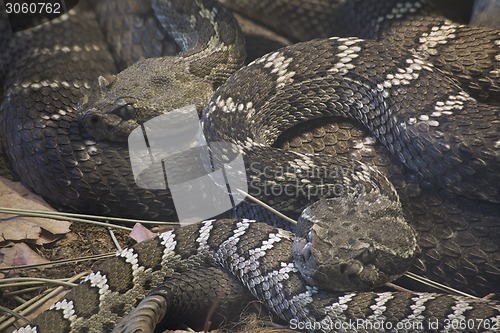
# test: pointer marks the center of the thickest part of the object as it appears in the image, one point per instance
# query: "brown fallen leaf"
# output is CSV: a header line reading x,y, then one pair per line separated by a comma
x,y
140,233
20,254
15,228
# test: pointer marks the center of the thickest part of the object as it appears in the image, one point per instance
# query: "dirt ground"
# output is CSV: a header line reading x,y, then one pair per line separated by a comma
x,y
81,240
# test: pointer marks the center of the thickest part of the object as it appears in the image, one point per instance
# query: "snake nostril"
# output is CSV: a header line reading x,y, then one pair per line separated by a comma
x,y
307,252
367,255
352,276
94,119
309,236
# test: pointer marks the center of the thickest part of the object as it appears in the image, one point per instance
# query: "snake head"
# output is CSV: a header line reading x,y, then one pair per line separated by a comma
x,y
345,244
105,114
151,87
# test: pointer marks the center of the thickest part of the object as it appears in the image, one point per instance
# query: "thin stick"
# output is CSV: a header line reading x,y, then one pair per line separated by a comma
x,y
28,212
58,262
266,206
33,303
9,282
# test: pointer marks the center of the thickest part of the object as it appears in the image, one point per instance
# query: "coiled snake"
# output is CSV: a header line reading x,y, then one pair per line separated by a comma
x,y
94,176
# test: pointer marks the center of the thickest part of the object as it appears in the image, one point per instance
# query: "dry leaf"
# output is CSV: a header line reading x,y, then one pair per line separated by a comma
x,y
12,227
20,254
140,233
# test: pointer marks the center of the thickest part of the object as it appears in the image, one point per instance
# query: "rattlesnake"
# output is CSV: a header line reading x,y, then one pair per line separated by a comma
x,y
341,43
103,120
275,282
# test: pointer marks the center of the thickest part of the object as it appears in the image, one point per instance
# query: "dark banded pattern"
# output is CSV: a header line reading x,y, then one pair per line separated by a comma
x,y
259,256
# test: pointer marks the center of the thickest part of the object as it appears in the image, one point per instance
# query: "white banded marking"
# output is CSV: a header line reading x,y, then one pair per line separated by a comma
x,y
26,329
454,102
204,235
439,35
58,48
67,308
418,308
337,310
244,265
272,282
99,281
404,76
278,63
131,257
441,109
55,84
228,105
169,243
397,12
459,308
379,307
348,52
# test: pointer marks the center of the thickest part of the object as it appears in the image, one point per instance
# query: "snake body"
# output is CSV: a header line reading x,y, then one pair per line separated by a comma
x,y
95,176
417,138
276,282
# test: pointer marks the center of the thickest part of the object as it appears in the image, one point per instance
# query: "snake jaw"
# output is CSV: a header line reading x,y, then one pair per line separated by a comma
x,y
351,267
339,246
367,252
99,125
305,261
108,112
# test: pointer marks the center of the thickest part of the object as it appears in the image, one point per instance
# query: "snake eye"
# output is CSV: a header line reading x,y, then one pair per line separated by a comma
x,y
94,119
124,108
309,236
367,255
125,112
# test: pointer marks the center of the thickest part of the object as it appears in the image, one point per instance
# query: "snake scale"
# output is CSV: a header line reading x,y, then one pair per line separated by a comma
x,y
94,177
